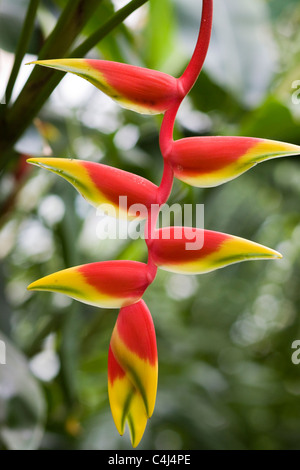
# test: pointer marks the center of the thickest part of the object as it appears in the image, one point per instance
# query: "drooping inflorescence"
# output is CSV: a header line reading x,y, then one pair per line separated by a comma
x,y
198,161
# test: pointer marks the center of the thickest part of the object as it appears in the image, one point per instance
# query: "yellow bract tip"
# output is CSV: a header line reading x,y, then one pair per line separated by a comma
x,y
33,161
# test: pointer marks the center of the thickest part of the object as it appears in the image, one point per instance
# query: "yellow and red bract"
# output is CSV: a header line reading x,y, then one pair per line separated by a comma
x,y
211,161
104,185
142,90
106,284
195,251
133,370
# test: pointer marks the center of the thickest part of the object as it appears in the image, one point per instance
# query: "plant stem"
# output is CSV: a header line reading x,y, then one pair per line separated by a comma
x,y
166,184
71,22
105,29
22,46
186,82
165,187
167,128
195,65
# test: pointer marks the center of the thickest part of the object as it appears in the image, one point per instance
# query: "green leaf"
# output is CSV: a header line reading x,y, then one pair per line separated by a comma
x,y
109,47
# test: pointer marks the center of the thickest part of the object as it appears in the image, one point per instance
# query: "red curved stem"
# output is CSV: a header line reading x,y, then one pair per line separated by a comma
x,y
163,194
166,184
185,83
191,73
151,268
166,130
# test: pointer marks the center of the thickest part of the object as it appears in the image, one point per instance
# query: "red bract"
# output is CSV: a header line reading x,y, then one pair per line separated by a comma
x,y
132,370
195,251
119,192
200,161
108,284
142,90
210,161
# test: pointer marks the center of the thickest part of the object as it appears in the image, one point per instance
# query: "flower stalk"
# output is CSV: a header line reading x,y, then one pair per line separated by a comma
x,y
23,43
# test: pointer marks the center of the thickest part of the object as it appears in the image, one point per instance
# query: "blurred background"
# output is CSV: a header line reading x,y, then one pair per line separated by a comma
x,y
226,378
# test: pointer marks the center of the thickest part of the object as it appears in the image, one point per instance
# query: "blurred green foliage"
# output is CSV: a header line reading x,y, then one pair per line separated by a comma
x,y
226,379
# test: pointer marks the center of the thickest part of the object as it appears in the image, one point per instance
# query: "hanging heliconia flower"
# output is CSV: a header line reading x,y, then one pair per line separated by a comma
x,y
199,161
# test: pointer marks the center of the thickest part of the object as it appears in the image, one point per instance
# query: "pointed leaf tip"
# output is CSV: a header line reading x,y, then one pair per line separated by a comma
x,y
33,161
